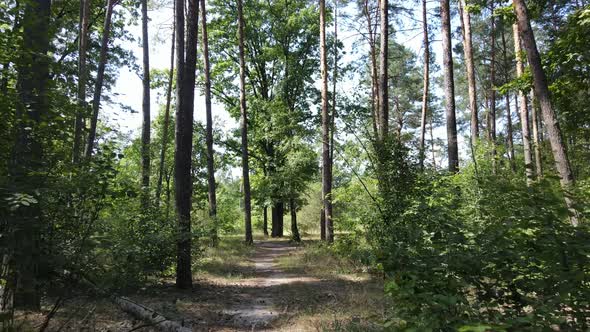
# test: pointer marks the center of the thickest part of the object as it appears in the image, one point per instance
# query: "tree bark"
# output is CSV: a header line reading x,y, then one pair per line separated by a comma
x,y
209,127
277,219
82,78
536,142
449,87
265,220
383,77
25,227
100,77
509,131
149,315
294,229
523,110
492,118
185,86
166,124
426,83
326,173
468,53
244,128
145,106
374,83
541,87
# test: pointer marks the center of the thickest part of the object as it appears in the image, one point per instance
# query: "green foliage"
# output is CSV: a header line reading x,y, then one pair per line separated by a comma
x,y
480,248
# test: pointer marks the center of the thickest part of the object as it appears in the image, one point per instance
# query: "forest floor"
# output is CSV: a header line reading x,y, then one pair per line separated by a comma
x,y
272,286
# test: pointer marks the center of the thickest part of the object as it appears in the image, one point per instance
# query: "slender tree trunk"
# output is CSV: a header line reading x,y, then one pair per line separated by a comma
x,y
244,125
426,83
432,141
449,87
145,106
492,118
509,131
166,124
265,220
562,163
468,53
536,143
185,87
326,174
100,77
523,110
374,83
25,227
322,224
209,127
294,229
383,78
334,85
82,78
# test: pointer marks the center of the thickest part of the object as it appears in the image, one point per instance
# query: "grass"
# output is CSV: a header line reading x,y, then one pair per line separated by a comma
x,y
230,259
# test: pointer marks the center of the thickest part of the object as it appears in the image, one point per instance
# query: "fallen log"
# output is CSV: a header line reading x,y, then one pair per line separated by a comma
x,y
149,315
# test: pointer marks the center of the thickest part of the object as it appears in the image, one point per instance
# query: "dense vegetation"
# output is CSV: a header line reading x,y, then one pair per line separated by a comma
x,y
459,174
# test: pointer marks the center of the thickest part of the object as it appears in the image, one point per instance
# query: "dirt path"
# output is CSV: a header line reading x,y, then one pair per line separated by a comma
x,y
260,307
248,292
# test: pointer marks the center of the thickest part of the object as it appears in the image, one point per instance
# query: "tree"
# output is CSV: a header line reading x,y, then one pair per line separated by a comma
x,y
470,68
166,114
185,90
244,128
209,125
523,110
492,90
541,87
104,47
509,131
82,77
22,288
383,78
449,87
326,174
145,106
536,137
426,83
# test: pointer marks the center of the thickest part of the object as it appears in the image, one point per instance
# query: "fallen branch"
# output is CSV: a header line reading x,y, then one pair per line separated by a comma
x,y
149,315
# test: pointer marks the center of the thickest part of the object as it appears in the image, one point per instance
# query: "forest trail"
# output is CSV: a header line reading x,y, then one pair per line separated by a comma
x,y
273,286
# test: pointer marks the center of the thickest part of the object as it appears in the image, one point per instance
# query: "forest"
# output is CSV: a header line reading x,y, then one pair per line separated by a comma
x,y
294,165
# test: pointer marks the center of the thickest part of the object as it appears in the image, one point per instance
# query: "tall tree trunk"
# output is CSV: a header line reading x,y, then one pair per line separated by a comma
x,y
185,87
326,174
374,83
244,125
265,220
209,127
449,87
322,224
492,118
25,227
468,53
426,83
334,85
523,110
383,61
509,131
294,229
278,210
166,124
145,106
562,163
536,142
100,77
82,78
